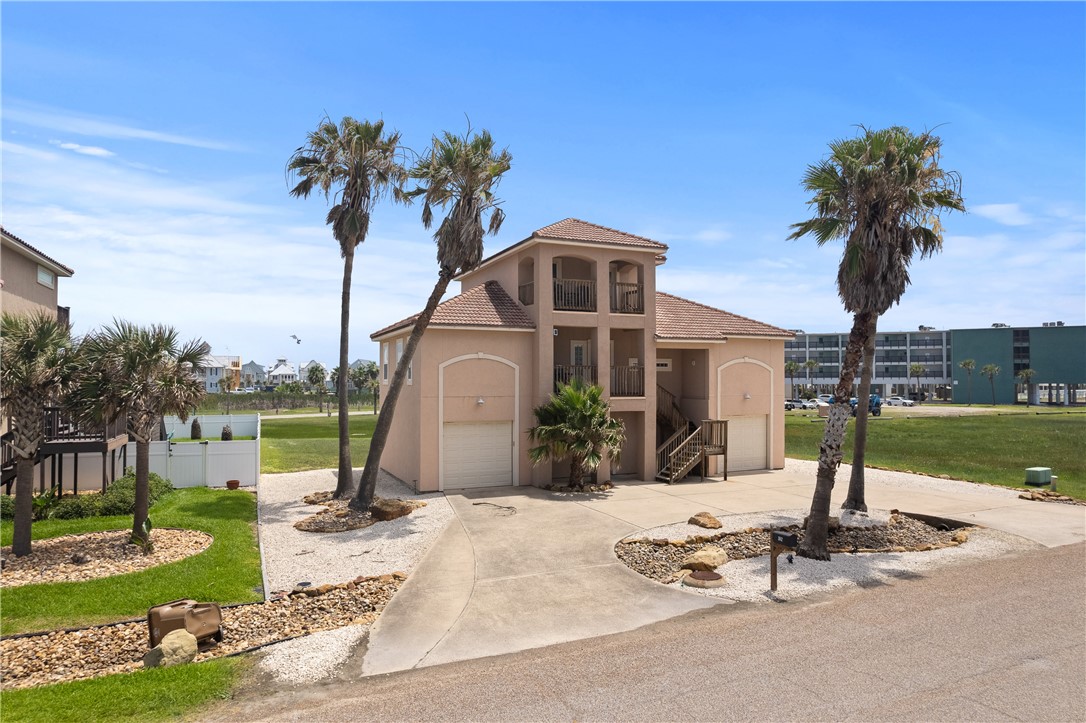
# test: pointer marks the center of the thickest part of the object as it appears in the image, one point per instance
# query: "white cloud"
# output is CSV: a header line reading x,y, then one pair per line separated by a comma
x,y
85,150
1008,214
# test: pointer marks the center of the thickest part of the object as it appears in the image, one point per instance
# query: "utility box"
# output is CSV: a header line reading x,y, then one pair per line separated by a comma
x,y
202,620
1039,476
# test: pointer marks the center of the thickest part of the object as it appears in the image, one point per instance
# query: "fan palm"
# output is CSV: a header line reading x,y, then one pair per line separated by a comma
x,y
576,424
991,371
810,365
792,368
461,172
969,365
1026,377
882,193
354,164
917,371
36,355
142,373
856,483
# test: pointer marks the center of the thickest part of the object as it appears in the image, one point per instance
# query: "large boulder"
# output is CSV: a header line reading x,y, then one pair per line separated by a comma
x,y
385,510
706,520
706,559
179,646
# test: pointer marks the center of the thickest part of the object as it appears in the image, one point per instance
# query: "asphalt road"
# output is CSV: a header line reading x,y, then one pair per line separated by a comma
x,y
1002,639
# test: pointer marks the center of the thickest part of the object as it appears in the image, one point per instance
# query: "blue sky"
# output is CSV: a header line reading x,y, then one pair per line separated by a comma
x,y
144,145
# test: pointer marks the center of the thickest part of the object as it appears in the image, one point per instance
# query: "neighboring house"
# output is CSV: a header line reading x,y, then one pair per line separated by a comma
x,y
579,300
252,374
214,368
29,278
281,372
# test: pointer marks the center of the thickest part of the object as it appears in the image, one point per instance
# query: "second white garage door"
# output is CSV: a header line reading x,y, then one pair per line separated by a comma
x,y
747,443
478,454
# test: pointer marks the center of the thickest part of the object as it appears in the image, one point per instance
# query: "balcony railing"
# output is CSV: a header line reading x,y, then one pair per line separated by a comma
x,y
627,381
60,426
627,298
565,373
574,295
526,293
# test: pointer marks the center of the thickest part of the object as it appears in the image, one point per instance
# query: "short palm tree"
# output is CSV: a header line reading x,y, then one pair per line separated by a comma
x,y
792,368
354,164
576,424
460,172
882,193
916,371
36,355
810,365
991,371
314,377
1026,376
141,373
968,365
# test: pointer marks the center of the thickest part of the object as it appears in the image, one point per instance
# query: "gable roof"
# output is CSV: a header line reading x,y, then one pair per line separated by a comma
x,y
679,318
57,267
574,229
486,306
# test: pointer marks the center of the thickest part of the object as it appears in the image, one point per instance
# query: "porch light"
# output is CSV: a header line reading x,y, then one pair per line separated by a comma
x,y
480,401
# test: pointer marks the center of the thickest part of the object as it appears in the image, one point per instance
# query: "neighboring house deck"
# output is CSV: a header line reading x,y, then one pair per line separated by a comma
x,y
696,387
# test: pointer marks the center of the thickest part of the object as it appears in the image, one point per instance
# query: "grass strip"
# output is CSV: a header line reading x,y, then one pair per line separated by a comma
x,y
298,445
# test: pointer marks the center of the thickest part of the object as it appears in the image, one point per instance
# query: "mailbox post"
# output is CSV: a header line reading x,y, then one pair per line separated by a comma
x,y
779,541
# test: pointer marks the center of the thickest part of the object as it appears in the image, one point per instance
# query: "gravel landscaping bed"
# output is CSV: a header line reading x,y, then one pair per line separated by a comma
x,y
92,652
91,555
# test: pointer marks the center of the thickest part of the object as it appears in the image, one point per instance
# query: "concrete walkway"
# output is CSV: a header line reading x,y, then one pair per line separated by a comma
x,y
497,582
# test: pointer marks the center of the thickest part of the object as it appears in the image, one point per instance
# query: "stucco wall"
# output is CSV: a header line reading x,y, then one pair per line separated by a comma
x,y
22,293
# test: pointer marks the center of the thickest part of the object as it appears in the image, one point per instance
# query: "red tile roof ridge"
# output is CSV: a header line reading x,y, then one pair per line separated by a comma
x,y
488,303
770,330
39,252
546,232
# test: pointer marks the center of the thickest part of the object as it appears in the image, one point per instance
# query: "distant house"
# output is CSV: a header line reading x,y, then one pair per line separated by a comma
x,y
252,374
29,278
281,372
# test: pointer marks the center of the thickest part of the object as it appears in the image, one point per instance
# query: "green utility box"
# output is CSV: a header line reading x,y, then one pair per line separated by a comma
x,y
1039,476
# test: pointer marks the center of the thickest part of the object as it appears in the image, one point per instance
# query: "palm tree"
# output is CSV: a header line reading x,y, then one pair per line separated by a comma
x,y
1025,376
142,373
36,354
882,193
969,365
354,165
792,368
461,171
857,482
365,377
917,371
810,365
577,424
991,371
314,376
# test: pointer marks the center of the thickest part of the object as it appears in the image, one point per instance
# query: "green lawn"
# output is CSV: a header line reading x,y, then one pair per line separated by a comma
x,y
225,572
147,695
981,448
295,445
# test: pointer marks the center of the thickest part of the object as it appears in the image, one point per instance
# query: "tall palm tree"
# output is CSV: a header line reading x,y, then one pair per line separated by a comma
x,y
991,371
576,423
969,365
366,377
461,172
857,482
354,164
810,365
792,368
314,377
1025,376
143,373
36,355
916,371
882,193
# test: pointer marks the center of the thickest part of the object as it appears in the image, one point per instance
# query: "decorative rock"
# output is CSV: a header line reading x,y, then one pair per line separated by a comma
x,y
80,559
944,476
386,510
706,559
961,536
179,646
710,580
706,520
660,542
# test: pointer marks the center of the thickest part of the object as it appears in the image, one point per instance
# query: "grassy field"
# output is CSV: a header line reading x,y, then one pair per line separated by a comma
x,y
980,448
228,571
296,445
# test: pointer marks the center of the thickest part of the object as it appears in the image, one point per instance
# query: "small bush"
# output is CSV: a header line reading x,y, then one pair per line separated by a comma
x,y
44,504
7,507
196,431
120,496
78,506
227,434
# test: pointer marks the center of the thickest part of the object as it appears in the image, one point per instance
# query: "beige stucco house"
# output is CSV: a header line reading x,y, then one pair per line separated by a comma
x,y
579,300
28,278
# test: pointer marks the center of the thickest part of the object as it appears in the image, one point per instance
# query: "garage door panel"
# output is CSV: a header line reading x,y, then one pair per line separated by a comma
x,y
747,443
478,454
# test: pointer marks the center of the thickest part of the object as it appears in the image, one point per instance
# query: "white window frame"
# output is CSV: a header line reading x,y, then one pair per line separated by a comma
x,y
384,363
50,281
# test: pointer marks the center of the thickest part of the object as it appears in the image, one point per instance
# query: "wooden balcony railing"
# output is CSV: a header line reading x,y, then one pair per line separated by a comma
x,y
565,373
60,426
526,293
627,381
627,298
574,295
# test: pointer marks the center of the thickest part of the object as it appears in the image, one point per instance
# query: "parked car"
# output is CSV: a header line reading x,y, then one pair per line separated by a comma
x,y
874,406
900,402
808,403
826,398
789,405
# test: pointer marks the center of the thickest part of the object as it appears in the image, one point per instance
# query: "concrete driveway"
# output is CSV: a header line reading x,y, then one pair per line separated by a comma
x,y
498,582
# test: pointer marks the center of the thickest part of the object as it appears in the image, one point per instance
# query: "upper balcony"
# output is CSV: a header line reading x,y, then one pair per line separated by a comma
x,y
574,285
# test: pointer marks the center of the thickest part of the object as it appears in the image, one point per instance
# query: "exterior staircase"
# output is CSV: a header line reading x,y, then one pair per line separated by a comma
x,y
689,445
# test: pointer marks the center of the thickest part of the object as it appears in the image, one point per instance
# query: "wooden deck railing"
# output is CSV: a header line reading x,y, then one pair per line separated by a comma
x,y
627,298
574,295
627,381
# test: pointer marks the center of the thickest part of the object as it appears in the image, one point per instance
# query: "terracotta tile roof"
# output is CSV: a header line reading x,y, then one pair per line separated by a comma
x,y
48,258
573,229
678,318
484,306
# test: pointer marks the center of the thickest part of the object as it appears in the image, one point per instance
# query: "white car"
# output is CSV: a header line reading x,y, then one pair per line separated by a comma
x,y
900,402
805,403
825,398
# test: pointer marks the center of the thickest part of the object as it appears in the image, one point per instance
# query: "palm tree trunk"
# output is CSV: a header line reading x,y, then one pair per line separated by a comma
x,y
24,506
969,386
829,458
576,472
855,499
991,380
143,467
368,486
345,479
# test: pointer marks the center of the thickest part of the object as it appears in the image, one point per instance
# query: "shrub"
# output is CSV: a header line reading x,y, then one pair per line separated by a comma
x,y
120,496
44,504
78,506
227,434
7,507
196,431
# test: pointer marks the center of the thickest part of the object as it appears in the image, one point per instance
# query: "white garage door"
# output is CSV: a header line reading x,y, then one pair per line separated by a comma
x,y
747,443
478,455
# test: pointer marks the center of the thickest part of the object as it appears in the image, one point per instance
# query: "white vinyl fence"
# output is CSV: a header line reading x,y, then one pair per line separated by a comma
x,y
208,463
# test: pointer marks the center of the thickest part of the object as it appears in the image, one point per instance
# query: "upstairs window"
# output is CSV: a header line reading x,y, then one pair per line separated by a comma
x,y
384,362
47,278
